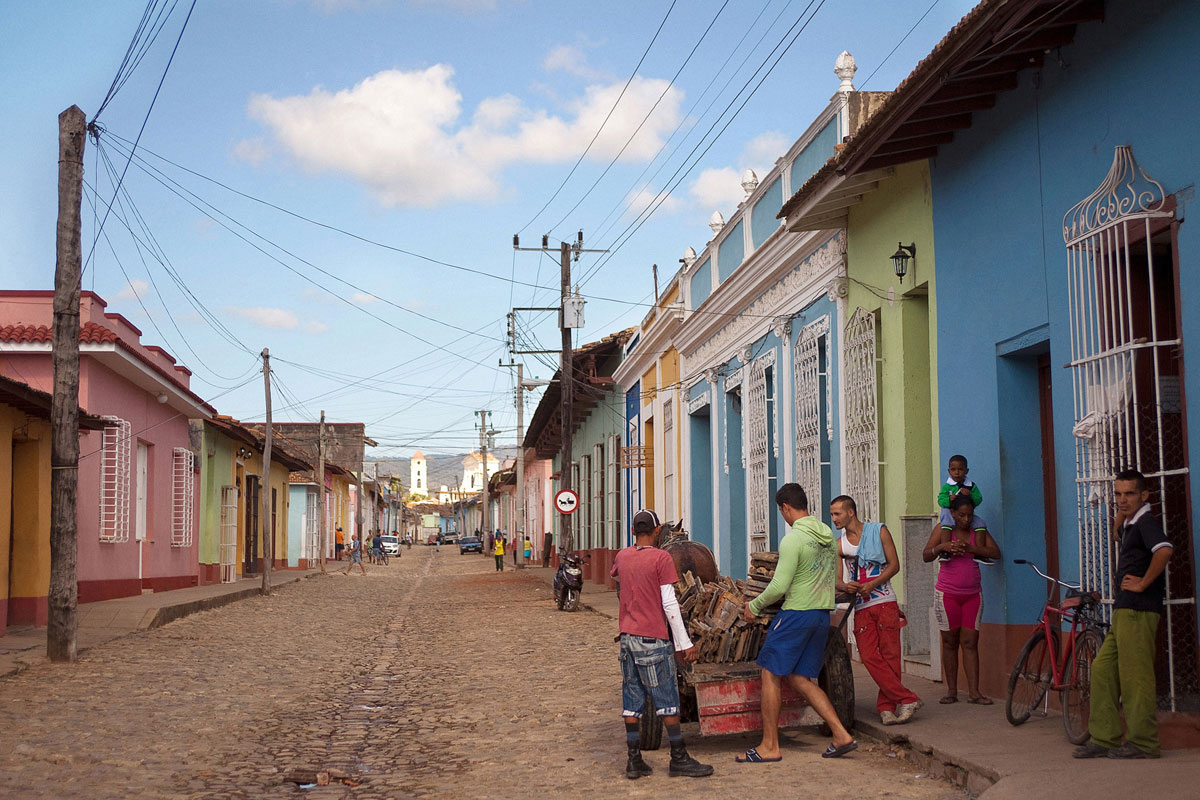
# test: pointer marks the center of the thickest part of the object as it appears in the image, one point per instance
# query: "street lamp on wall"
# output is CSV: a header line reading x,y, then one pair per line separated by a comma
x,y
900,258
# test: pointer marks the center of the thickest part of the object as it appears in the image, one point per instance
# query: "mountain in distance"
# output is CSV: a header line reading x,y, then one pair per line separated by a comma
x,y
442,469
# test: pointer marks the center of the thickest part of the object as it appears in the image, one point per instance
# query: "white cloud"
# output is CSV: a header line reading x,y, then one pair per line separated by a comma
x,y
133,290
718,189
761,152
252,151
266,317
403,134
636,202
315,327
362,298
571,59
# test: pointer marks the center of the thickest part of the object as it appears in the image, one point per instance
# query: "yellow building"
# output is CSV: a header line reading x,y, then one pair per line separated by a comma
x,y
25,501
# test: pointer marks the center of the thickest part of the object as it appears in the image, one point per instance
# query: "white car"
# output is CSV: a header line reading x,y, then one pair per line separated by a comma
x,y
390,545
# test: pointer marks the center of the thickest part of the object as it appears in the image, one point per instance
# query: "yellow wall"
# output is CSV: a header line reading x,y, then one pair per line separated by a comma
x,y
8,420
278,482
31,517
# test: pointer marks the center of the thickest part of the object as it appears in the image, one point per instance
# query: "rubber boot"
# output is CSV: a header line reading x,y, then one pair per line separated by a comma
x,y
636,768
683,765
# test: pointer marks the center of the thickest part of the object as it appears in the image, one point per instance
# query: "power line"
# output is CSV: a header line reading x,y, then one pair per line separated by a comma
x,y
95,129
903,38
635,226
638,129
608,116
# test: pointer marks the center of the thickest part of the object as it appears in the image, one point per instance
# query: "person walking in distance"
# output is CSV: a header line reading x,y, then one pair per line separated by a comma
x,y
355,555
1123,670
647,607
498,552
795,646
869,554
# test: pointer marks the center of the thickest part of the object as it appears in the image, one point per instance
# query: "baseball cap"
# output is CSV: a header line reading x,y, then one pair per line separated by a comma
x,y
645,521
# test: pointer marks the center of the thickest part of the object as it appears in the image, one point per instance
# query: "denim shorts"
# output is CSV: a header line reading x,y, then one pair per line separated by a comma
x,y
648,672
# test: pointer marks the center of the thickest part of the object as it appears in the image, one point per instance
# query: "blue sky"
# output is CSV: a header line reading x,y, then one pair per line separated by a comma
x,y
439,128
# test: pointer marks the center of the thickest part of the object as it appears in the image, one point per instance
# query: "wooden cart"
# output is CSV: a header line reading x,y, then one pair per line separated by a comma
x,y
727,698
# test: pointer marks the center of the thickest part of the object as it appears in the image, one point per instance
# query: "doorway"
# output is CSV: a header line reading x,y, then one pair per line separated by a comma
x,y
250,529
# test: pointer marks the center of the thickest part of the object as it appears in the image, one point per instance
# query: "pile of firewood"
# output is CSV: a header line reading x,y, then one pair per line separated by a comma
x,y
713,612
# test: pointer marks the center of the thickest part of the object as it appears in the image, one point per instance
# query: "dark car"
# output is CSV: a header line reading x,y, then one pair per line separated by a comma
x,y
470,544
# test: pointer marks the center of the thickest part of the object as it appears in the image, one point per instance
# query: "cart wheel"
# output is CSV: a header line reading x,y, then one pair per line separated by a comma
x,y
650,728
837,678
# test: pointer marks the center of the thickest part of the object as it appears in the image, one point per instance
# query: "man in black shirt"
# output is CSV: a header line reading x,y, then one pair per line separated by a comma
x,y
1123,670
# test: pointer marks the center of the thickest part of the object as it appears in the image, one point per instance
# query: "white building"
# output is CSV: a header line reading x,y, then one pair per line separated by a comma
x,y
473,476
418,484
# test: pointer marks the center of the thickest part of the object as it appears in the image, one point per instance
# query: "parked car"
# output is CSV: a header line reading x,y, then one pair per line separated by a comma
x,y
450,538
390,544
470,544
431,539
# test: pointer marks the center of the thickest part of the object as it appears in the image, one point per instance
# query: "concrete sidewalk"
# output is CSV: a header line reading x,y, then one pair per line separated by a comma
x,y
974,746
104,621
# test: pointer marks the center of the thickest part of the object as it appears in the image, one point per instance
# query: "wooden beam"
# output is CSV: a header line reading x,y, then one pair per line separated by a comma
x,y
986,66
899,158
970,86
916,130
954,107
910,145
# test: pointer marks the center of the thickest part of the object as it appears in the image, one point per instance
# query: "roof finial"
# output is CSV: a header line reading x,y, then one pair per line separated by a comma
x,y
845,68
716,222
749,182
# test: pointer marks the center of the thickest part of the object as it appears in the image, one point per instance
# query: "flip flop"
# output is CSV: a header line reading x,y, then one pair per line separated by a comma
x,y
752,757
948,699
838,752
980,701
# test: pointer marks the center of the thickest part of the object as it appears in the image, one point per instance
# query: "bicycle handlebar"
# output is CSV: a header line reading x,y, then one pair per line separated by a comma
x,y
1034,567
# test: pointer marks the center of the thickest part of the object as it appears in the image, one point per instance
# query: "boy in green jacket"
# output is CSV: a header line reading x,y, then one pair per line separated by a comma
x,y
795,646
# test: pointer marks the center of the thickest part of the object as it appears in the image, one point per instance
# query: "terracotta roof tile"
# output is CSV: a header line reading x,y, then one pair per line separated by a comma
x,y
90,333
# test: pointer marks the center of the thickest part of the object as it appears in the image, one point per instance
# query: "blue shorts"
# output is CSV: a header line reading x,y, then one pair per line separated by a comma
x,y
648,673
795,643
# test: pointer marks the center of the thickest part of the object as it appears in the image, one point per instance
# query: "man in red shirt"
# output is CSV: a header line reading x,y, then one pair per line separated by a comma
x,y
646,578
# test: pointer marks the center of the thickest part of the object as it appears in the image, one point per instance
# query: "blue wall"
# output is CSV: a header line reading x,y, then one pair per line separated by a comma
x,y
297,504
701,486
1000,192
762,218
731,252
701,283
814,156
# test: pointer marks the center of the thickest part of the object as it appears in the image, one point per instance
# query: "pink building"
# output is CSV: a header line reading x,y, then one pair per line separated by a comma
x,y
137,503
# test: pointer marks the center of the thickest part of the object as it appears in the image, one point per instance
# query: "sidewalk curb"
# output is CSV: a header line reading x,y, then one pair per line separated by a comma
x,y
971,777
164,615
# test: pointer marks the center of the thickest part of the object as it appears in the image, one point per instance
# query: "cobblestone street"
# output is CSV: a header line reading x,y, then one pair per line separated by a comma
x,y
431,677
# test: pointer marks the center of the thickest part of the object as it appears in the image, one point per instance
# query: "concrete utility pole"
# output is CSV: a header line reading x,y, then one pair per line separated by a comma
x,y
567,391
268,528
485,517
63,621
322,531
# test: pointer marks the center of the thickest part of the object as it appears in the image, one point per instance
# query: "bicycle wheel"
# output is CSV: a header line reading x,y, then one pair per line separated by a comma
x,y
1030,678
1076,698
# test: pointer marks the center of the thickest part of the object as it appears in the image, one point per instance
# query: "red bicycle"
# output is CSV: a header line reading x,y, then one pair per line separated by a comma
x,y
1044,666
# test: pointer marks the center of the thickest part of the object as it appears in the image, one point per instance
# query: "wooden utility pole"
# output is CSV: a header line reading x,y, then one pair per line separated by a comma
x,y
63,621
322,532
267,526
567,387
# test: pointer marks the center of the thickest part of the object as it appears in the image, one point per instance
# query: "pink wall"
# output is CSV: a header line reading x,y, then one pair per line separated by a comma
x,y
538,493
112,569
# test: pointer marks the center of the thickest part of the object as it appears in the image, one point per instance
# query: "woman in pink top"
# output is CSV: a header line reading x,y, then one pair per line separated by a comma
x,y
958,595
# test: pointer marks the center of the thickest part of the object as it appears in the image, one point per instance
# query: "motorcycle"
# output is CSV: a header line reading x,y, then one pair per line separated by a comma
x,y
568,581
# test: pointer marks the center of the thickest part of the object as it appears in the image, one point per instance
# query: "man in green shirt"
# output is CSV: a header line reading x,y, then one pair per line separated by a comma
x,y
795,646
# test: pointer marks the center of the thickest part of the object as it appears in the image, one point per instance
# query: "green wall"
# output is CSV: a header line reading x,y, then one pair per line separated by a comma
x,y
216,471
900,209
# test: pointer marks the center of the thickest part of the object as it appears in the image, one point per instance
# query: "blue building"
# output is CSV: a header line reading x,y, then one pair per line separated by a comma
x,y
1061,170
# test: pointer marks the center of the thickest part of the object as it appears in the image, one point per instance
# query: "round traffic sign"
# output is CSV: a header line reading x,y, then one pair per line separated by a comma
x,y
566,501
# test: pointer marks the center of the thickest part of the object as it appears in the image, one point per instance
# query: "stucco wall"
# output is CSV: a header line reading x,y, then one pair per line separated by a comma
x,y
1001,190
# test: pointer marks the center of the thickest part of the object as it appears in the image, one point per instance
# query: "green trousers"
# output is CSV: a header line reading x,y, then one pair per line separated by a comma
x,y
1123,678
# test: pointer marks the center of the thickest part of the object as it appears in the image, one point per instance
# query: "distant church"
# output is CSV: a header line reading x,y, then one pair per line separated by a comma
x,y
418,476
